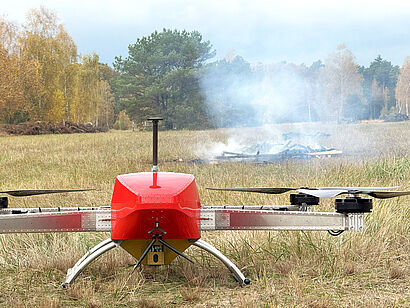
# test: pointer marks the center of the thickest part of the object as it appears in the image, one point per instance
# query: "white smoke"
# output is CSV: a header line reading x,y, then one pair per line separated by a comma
x,y
253,100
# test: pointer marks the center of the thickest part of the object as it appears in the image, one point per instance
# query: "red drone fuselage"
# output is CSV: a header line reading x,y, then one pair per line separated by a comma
x,y
162,203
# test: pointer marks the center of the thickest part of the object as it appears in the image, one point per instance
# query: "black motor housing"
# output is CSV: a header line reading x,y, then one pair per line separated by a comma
x,y
353,205
299,199
4,202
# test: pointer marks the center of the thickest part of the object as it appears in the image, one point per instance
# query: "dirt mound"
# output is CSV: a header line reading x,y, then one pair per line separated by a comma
x,y
41,128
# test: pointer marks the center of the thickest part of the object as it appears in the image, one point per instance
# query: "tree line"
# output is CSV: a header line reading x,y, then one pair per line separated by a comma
x,y
171,73
43,78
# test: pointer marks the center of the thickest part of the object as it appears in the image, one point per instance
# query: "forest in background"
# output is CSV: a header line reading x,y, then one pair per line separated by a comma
x,y
43,78
172,74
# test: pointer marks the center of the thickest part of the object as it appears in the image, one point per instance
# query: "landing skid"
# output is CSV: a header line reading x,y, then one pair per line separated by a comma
x,y
232,267
109,244
91,255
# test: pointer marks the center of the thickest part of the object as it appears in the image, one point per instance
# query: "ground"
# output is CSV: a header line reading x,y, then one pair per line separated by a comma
x,y
287,269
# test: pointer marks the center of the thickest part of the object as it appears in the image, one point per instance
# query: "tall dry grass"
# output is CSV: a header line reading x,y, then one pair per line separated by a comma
x,y
287,269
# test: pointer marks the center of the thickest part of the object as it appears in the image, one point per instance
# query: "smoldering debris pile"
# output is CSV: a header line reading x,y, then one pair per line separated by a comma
x,y
289,146
289,151
42,128
292,145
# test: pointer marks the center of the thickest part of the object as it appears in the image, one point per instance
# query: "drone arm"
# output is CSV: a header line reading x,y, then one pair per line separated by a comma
x,y
243,219
35,220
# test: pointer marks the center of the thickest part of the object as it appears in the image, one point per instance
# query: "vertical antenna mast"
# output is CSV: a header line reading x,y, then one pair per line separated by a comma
x,y
155,121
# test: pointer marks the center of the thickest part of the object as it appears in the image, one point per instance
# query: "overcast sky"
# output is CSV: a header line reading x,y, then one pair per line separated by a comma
x,y
259,31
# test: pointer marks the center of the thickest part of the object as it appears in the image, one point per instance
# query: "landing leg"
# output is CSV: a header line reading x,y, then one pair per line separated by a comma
x,y
232,267
144,254
92,254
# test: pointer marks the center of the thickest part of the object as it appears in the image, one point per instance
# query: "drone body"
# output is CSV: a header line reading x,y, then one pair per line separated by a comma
x,y
143,210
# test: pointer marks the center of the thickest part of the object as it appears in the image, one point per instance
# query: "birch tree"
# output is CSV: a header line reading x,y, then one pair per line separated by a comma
x,y
340,80
47,42
20,80
403,88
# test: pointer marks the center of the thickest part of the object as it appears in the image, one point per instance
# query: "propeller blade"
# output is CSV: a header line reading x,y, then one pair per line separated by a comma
x,y
326,193
387,194
358,188
33,192
263,190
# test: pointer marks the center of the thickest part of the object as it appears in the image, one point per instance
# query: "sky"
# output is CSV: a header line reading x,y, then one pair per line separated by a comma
x,y
260,31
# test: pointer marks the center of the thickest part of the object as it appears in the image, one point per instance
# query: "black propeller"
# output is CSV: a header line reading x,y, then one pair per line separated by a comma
x,y
325,192
262,190
33,192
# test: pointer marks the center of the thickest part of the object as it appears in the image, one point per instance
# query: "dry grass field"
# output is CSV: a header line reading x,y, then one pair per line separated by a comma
x,y
287,269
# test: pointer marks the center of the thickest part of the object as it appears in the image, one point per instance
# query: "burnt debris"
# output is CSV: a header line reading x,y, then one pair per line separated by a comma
x,y
289,151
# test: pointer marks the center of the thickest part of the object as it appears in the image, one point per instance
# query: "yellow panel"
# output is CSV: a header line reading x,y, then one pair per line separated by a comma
x,y
137,247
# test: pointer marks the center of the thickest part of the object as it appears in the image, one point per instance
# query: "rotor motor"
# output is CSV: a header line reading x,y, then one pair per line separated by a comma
x,y
353,205
4,202
300,199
